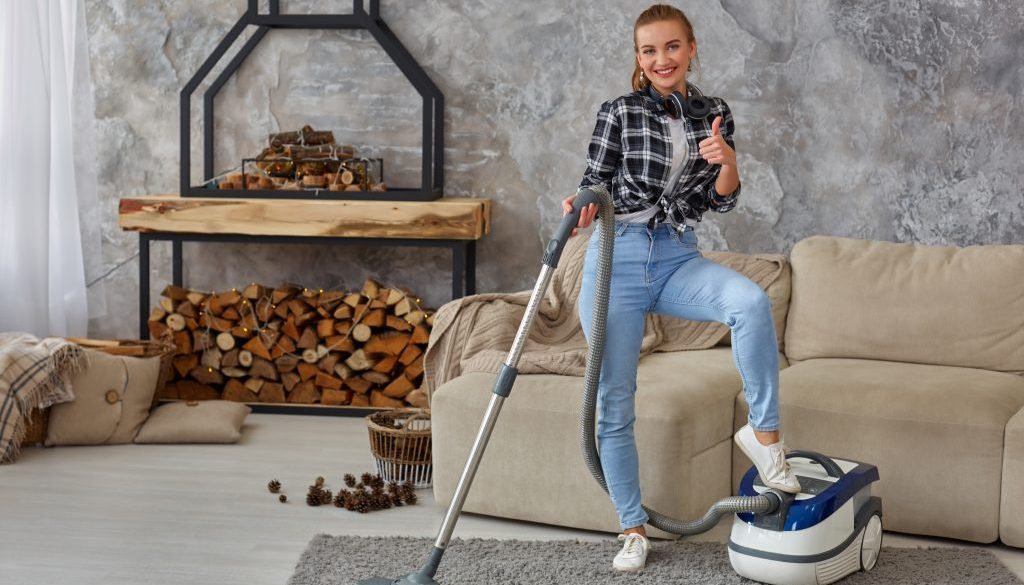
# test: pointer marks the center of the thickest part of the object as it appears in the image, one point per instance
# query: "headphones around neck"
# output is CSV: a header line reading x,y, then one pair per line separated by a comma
x,y
695,107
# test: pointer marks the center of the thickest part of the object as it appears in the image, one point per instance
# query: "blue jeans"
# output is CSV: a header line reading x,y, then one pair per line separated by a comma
x,y
661,271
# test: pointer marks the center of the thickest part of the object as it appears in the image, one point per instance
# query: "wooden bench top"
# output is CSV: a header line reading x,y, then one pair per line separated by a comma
x,y
447,218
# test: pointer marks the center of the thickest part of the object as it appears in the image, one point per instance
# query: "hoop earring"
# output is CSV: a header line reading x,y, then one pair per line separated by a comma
x,y
641,77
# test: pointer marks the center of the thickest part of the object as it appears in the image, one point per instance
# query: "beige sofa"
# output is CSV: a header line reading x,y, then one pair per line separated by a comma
x,y
908,357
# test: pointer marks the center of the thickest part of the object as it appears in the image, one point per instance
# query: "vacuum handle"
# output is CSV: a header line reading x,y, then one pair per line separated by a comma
x,y
553,251
831,467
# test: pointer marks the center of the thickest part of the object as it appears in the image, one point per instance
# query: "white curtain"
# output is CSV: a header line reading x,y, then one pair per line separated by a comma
x,y
45,126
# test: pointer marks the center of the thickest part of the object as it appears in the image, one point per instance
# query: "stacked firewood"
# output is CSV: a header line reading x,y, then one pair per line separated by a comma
x,y
306,159
295,344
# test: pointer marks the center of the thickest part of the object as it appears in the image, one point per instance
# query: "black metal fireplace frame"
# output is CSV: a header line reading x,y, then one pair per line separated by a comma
x,y
432,178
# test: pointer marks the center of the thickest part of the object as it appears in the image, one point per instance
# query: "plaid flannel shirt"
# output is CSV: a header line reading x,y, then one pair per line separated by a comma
x,y
630,154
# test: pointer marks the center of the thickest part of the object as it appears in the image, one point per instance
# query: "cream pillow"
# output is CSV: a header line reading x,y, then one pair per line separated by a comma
x,y
195,421
112,400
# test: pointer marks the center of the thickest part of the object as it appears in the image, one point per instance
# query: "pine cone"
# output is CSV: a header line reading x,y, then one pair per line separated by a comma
x,y
282,498
367,478
407,490
377,482
350,480
274,486
319,482
408,493
326,496
396,500
339,499
314,497
393,487
364,501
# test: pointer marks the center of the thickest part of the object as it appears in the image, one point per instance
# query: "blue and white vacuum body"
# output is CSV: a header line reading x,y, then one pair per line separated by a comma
x,y
832,528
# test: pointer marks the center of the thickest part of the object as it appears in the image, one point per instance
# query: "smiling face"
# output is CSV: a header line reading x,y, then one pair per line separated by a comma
x,y
664,51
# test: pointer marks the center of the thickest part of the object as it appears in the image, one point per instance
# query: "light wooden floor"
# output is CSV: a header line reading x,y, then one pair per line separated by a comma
x,y
201,514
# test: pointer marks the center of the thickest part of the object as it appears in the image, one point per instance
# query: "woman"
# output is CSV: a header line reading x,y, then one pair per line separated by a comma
x,y
664,173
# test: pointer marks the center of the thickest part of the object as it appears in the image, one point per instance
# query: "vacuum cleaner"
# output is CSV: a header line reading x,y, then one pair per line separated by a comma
x,y
830,529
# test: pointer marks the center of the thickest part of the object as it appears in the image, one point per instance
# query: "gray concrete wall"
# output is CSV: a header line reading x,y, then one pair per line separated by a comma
x,y
891,120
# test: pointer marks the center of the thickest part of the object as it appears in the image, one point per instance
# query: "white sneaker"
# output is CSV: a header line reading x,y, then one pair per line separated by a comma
x,y
634,551
769,460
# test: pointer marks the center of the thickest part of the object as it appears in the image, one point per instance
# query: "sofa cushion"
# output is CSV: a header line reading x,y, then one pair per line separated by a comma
x,y
907,303
533,468
1011,516
935,433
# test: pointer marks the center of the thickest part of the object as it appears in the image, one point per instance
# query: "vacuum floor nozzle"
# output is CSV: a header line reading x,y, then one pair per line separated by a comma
x,y
413,579
378,581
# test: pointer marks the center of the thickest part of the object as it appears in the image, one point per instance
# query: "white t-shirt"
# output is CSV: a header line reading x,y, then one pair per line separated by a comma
x,y
680,153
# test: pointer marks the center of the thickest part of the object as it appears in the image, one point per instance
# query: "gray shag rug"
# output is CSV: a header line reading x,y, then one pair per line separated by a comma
x,y
343,560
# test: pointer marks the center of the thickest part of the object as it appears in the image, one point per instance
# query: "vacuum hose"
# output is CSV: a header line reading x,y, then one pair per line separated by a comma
x,y
765,503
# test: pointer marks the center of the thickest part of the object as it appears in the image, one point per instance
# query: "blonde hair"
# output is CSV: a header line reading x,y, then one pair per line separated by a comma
x,y
658,13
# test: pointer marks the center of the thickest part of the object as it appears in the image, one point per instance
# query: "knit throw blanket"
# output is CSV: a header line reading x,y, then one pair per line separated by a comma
x,y
34,373
474,333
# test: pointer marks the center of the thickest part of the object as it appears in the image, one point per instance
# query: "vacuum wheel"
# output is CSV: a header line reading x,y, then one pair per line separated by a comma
x,y
871,543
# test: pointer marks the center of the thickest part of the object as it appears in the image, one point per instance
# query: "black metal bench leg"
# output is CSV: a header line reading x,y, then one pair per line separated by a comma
x,y
143,285
471,267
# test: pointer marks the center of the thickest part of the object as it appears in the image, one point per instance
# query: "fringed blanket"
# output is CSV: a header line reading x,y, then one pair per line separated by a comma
x,y
474,333
34,374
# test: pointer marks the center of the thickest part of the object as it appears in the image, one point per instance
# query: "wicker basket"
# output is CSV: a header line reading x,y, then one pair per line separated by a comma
x,y
400,442
35,431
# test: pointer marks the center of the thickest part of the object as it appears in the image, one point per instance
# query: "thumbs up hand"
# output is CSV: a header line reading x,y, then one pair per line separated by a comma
x,y
715,149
